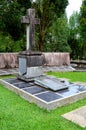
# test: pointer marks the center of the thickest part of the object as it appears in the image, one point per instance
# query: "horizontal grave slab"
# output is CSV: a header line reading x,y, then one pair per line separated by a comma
x,y
51,83
44,97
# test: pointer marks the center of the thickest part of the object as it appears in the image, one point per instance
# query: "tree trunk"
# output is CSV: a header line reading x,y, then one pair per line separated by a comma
x,y
40,46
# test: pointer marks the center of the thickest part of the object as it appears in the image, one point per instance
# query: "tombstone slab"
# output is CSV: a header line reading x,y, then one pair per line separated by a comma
x,y
53,84
49,96
23,85
34,89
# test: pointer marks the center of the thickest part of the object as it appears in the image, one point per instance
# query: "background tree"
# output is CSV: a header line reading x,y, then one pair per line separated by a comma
x,y
83,29
74,35
24,4
10,17
57,38
11,29
48,11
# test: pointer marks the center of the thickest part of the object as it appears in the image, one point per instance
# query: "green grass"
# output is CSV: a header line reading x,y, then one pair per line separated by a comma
x,y
18,114
73,76
7,76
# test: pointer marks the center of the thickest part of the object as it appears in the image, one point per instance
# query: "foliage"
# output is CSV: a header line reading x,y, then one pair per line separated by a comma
x,y
74,35
83,29
48,11
20,45
10,17
73,76
57,37
53,32
8,45
13,36
18,114
24,4
7,76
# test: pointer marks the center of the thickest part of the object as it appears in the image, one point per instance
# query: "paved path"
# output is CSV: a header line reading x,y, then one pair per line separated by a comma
x,y
77,116
45,69
8,71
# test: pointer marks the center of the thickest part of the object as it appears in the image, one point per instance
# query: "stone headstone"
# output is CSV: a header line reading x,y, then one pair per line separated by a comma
x,y
30,61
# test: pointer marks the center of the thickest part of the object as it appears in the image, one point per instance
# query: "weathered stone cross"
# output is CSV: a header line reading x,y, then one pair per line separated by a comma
x,y
30,22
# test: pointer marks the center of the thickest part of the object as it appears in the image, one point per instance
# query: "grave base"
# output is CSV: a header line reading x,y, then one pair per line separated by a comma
x,y
31,73
30,65
30,59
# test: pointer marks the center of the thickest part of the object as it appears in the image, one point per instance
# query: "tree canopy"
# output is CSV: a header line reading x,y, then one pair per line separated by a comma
x,y
83,29
10,17
57,37
48,11
74,34
52,33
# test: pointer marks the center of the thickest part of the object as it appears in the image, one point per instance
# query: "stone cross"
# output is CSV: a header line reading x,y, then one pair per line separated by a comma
x,y
30,22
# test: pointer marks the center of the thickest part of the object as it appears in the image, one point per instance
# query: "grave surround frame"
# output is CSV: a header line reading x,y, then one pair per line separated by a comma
x,y
35,98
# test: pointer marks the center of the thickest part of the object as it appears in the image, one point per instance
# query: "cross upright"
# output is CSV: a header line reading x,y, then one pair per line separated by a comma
x,y
30,22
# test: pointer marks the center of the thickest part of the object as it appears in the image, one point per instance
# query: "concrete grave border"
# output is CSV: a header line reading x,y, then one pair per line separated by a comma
x,y
41,103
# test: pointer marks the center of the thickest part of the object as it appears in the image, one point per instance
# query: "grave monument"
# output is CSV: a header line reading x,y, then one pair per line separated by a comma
x,y
30,61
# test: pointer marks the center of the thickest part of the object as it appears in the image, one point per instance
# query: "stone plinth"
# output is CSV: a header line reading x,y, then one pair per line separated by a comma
x,y
30,65
32,58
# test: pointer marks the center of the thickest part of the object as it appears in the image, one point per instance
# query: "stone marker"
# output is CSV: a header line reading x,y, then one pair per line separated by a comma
x,y
30,22
30,61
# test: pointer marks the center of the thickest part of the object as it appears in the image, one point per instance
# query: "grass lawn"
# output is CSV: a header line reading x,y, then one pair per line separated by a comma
x,y
73,76
18,114
7,76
